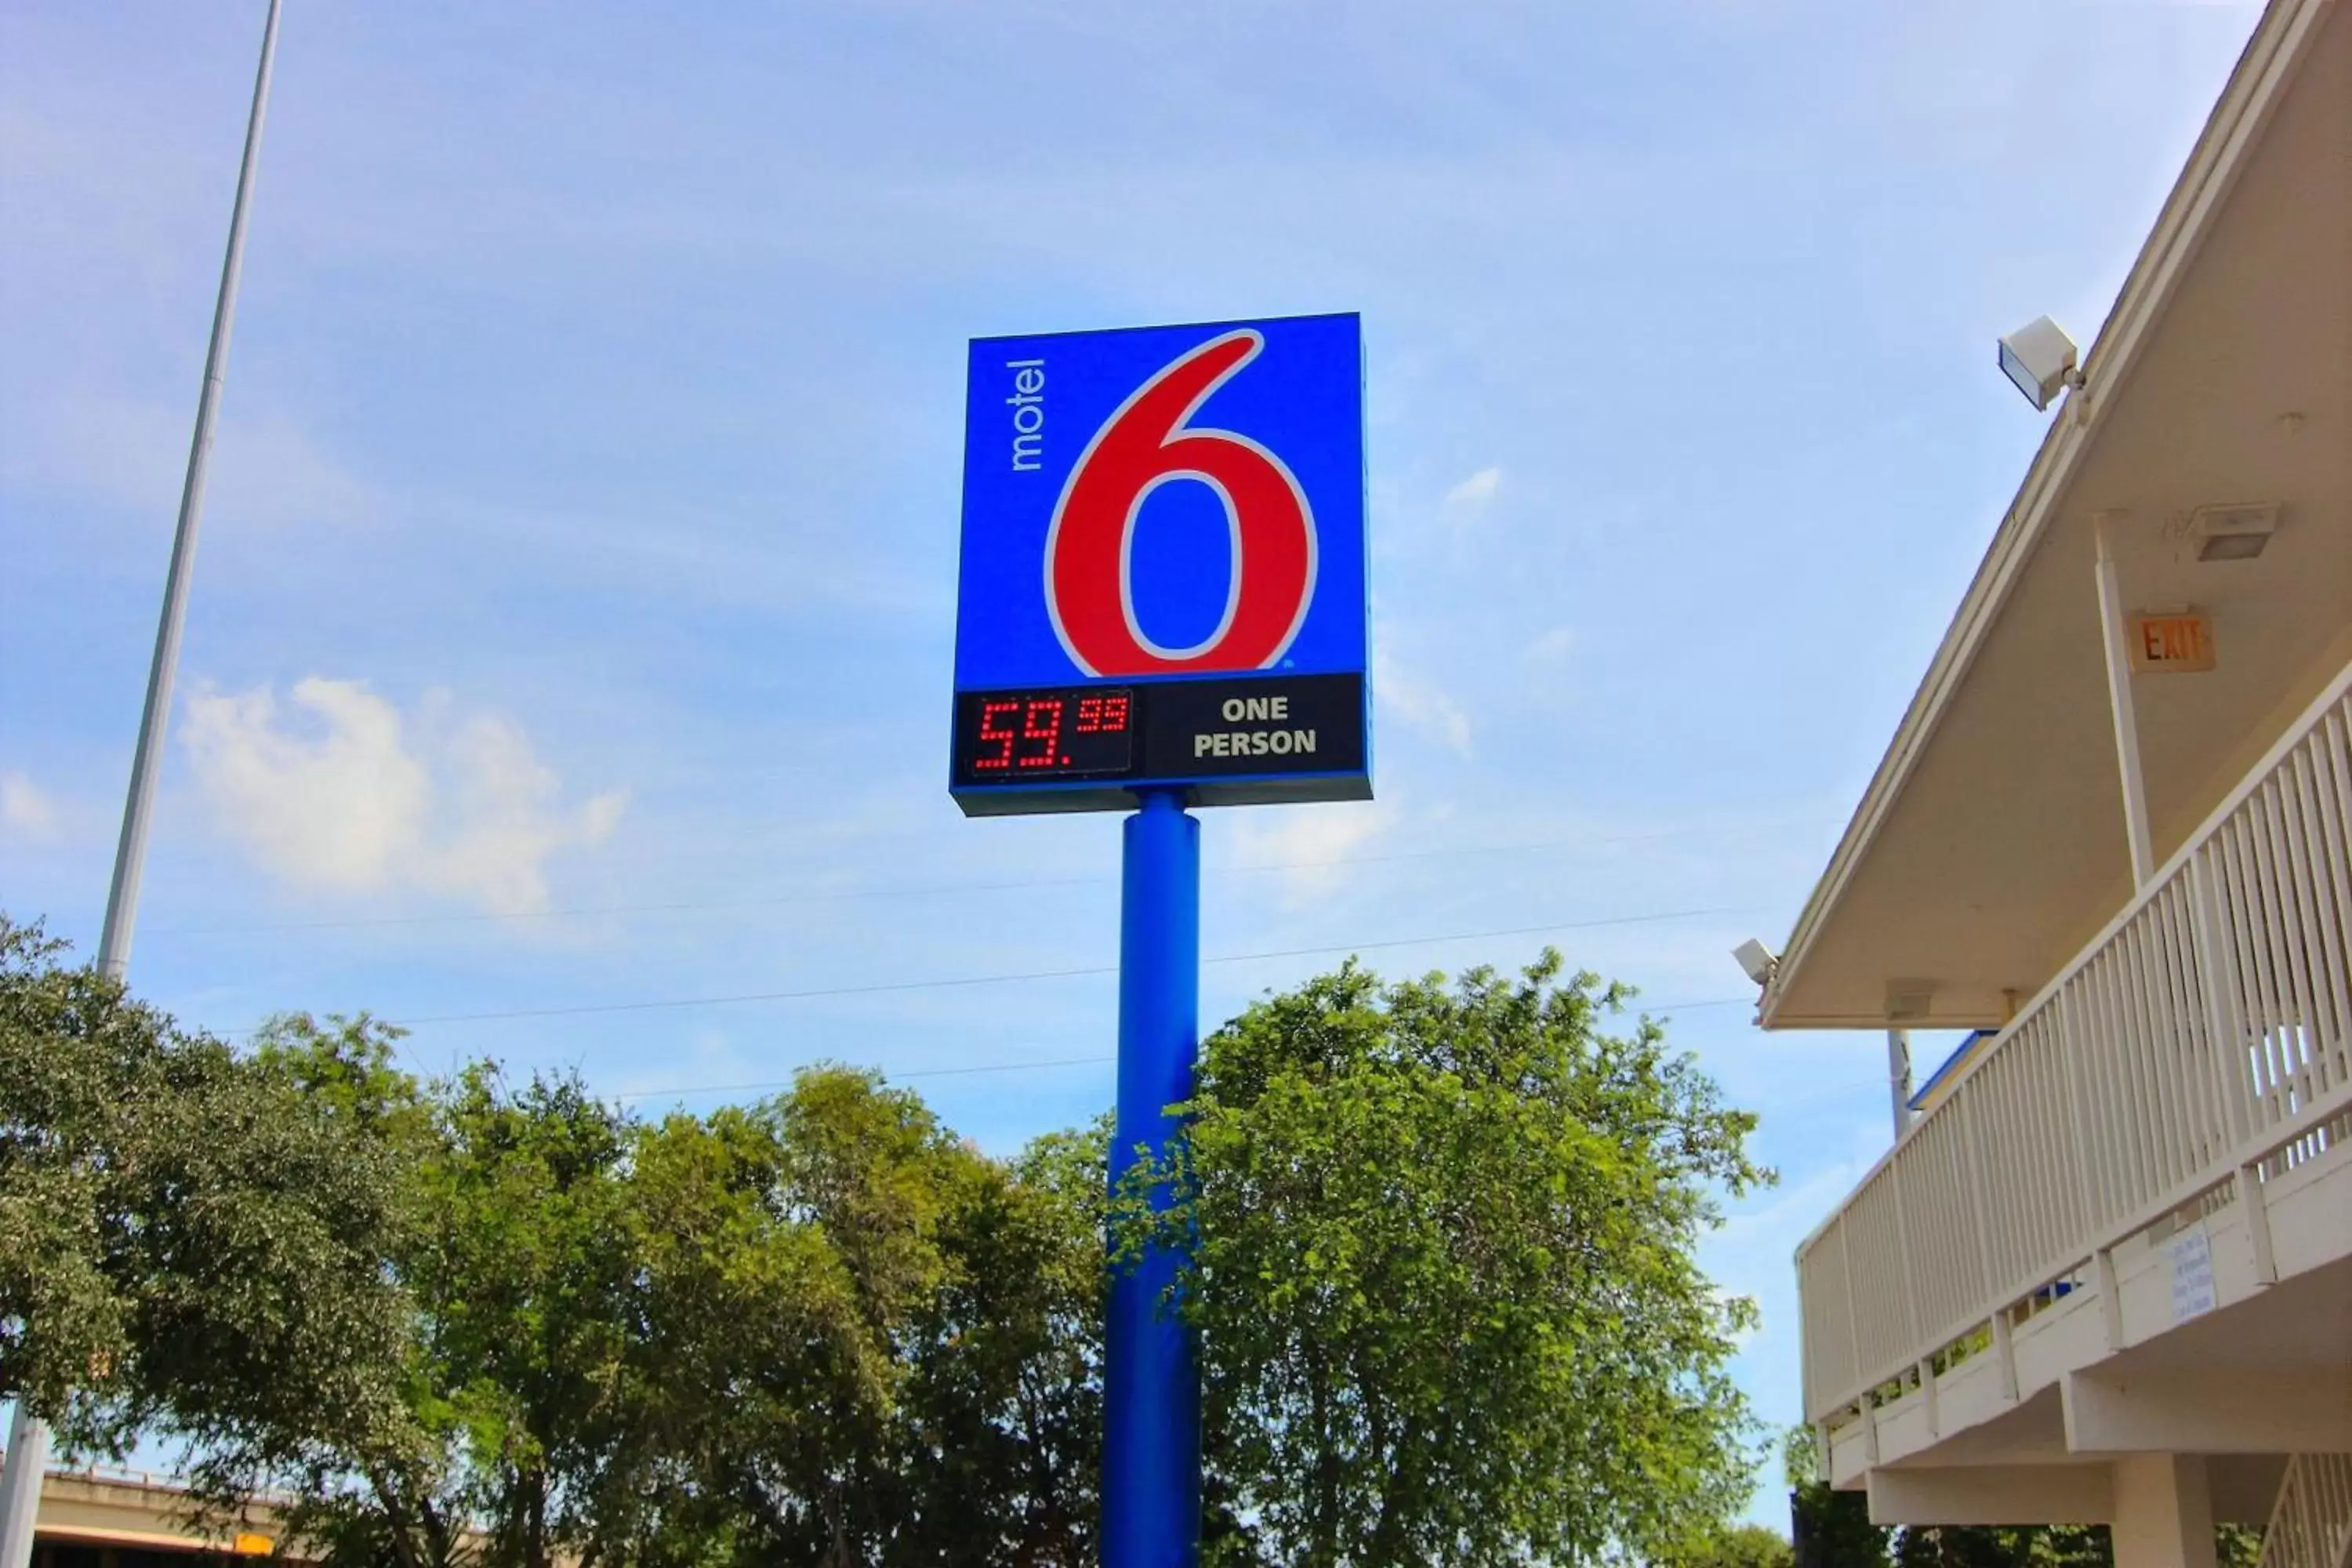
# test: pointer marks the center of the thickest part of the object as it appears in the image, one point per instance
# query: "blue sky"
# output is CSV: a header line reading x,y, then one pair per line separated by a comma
x,y
582,531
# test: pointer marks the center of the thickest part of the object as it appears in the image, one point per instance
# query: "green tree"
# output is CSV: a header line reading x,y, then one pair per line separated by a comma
x,y
786,1247
815,1330
191,1246
1445,1279
864,1342
516,1271
2004,1546
1738,1546
2043,1546
1444,1275
1827,1529
1000,1422
527,1284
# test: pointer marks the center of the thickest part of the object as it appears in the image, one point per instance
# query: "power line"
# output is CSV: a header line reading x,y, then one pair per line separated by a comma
x,y
682,1091
581,911
935,890
896,986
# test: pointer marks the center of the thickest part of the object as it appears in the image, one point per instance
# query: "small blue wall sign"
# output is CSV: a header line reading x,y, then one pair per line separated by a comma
x,y
1162,579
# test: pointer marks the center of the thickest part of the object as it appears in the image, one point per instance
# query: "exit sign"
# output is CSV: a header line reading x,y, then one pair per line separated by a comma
x,y
2176,640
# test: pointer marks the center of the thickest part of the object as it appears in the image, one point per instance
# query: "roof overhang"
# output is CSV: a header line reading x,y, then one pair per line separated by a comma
x,y
1990,843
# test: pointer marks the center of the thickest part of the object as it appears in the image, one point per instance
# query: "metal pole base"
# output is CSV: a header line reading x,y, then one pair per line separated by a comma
x,y
20,1487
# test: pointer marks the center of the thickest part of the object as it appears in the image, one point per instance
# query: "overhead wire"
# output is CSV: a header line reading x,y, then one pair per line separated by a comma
x,y
579,1009
934,890
685,1091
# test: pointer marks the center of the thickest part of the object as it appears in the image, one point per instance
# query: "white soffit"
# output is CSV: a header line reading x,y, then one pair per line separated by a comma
x,y
1989,845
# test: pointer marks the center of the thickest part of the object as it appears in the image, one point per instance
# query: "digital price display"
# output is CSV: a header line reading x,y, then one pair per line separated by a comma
x,y
1279,738
1078,732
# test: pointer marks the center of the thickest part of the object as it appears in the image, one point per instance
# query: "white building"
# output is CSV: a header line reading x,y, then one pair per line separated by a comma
x,y
2107,1277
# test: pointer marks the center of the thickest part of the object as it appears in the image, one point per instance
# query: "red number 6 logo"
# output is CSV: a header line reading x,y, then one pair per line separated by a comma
x,y
1145,444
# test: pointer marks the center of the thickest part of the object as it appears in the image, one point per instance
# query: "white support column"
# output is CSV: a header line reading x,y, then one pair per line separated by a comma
x,y
1898,1078
2164,1511
2005,1347
2112,631
2111,1298
2255,1205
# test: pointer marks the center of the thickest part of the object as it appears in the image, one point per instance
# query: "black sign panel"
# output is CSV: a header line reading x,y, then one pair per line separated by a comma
x,y
1089,748
1260,724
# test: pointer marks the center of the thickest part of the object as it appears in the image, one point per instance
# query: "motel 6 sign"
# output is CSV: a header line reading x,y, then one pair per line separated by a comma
x,y
1162,578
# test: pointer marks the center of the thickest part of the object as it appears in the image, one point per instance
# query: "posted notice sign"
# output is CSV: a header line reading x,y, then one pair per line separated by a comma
x,y
1162,578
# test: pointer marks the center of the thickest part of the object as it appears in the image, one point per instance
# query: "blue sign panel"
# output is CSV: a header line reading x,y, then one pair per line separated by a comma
x,y
1162,578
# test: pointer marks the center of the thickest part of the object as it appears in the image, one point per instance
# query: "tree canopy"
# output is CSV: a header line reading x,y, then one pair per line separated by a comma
x,y
1445,1282
190,1244
1740,1546
1444,1276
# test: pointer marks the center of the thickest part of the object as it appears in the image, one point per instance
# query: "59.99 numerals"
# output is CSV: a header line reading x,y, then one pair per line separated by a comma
x,y
1018,734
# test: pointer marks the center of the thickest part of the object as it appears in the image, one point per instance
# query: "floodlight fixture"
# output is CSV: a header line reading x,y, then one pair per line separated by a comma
x,y
2039,360
1758,960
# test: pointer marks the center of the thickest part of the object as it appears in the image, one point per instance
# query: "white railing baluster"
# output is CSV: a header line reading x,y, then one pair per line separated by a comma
x,y
2332,951
2336,854
2292,927
2311,1521
1850,1318
2258,989
2071,1052
2156,1048
2117,1093
2191,1055
1903,1250
1973,1165
2279,995
2228,948
2117,1096
2195,1053
2228,1056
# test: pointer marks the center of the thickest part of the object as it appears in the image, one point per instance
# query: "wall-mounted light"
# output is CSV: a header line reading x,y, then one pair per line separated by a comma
x,y
2233,532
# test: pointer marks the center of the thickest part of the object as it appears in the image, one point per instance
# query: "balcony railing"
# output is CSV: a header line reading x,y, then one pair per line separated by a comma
x,y
2311,1524
2202,1040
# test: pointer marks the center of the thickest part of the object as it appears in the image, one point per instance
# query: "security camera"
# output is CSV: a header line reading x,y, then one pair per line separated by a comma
x,y
2039,359
1757,960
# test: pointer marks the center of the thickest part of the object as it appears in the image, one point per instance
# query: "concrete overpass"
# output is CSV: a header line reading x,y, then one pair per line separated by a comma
x,y
126,1518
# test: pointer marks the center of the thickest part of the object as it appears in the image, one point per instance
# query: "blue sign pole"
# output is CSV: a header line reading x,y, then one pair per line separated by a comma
x,y
1161,604
1151,1385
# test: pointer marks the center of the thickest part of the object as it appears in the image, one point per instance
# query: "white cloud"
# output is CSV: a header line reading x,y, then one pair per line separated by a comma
x,y
25,812
1475,491
1310,843
133,455
711,1059
344,796
1419,702
1552,645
